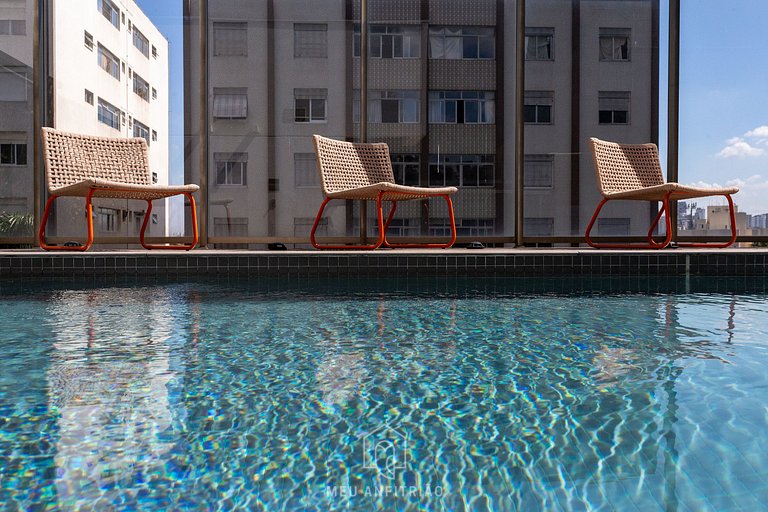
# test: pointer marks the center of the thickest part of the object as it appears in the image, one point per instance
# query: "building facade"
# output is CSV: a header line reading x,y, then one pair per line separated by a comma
x,y
441,93
107,75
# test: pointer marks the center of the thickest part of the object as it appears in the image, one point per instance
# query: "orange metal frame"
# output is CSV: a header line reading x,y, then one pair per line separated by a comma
x,y
652,244
383,226
89,222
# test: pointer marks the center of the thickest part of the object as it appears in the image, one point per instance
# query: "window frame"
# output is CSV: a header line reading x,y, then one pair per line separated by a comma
x,y
305,173
534,34
140,85
15,150
240,49
140,42
607,97
408,35
440,107
532,160
115,113
539,102
106,59
229,165
314,102
613,35
110,11
460,166
465,34
305,49
141,130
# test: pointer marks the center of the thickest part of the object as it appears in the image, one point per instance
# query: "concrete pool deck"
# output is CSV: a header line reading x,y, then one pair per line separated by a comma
x,y
383,263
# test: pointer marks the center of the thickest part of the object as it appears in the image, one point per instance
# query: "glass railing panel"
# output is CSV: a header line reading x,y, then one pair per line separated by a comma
x,y
16,124
723,130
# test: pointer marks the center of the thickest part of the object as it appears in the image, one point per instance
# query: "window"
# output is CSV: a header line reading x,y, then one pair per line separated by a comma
x,y
302,226
539,43
13,153
538,107
108,62
141,130
154,180
461,170
13,28
309,105
614,44
140,42
305,170
140,87
310,40
154,52
88,40
109,114
406,169
231,168
388,106
13,83
230,102
539,226
474,227
538,171
154,93
462,43
613,107
462,107
110,11
230,39
613,226
154,135
402,227
230,226
108,219
88,97
390,41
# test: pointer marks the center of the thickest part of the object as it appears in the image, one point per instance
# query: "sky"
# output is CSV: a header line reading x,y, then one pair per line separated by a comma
x,y
723,94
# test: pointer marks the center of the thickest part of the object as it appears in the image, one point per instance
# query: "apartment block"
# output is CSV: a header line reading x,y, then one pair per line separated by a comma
x,y
441,93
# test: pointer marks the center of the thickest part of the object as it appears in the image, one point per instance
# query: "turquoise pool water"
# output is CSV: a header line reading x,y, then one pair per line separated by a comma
x,y
228,395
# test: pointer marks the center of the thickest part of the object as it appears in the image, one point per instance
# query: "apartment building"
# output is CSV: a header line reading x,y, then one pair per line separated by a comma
x,y
441,93
107,75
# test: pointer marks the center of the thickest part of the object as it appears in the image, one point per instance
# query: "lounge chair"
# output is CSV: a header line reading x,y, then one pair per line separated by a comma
x,y
89,166
633,172
364,171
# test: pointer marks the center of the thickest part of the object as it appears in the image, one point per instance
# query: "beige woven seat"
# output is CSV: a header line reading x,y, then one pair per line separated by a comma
x,y
89,166
364,171
633,172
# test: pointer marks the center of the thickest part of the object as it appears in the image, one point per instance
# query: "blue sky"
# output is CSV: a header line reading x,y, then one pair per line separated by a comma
x,y
723,94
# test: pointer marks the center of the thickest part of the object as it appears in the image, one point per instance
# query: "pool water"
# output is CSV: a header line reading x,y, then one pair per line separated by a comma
x,y
225,396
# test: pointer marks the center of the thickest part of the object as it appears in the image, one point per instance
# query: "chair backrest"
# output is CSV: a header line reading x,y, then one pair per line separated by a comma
x,y
347,165
71,158
624,167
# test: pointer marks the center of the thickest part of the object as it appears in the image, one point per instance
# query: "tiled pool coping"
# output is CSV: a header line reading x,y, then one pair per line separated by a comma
x,y
388,263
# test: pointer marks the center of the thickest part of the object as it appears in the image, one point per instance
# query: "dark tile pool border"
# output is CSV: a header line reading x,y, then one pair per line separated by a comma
x,y
455,262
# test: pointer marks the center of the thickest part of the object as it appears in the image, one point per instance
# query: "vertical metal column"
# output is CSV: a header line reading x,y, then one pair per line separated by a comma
x,y
203,135
363,105
519,124
673,105
38,86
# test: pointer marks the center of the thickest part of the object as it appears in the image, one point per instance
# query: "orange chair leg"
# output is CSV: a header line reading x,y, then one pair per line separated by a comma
x,y
89,222
375,245
718,245
426,246
185,247
651,245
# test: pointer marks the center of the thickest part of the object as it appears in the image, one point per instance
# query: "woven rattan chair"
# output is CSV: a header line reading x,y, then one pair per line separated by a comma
x,y
633,172
89,166
364,171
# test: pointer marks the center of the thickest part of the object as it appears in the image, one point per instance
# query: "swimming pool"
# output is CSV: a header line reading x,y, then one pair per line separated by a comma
x,y
225,395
